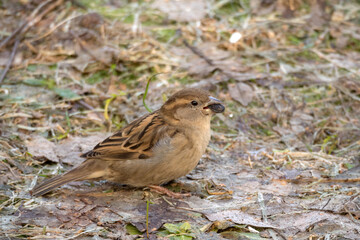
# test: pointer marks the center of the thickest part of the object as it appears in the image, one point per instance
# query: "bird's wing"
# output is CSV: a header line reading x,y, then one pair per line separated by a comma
x,y
135,141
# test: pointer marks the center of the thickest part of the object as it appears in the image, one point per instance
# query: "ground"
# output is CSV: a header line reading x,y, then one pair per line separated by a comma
x,y
283,161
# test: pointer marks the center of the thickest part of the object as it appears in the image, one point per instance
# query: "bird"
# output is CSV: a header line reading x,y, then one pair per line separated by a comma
x,y
152,150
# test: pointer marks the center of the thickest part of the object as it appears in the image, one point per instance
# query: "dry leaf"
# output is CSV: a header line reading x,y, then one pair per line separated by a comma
x,y
238,217
39,146
183,10
105,54
299,121
67,151
241,92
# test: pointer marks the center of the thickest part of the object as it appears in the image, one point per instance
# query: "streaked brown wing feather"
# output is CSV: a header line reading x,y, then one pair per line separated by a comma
x,y
135,141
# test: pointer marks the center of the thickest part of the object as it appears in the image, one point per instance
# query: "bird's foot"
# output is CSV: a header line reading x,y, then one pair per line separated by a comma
x,y
169,193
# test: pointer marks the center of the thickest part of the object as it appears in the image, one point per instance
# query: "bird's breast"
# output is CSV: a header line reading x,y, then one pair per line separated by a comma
x,y
179,155
189,148
173,157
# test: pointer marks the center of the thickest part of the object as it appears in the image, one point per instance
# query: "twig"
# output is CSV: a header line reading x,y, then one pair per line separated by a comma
x,y
264,214
11,59
16,32
249,160
56,27
322,180
30,21
262,206
198,52
347,92
42,14
86,105
322,208
147,198
22,26
351,215
25,27
10,169
321,55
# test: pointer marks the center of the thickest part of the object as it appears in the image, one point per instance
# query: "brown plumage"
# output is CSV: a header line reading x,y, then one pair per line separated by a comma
x,y
154,149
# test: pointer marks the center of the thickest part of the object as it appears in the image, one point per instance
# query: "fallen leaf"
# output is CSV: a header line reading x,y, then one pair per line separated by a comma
x,y
66,93
67,151
70,149
241,92
105,54
238,217
299,121
183,10
39,146
318,15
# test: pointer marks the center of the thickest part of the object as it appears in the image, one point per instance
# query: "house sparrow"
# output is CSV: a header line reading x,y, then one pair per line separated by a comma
x,y
152,150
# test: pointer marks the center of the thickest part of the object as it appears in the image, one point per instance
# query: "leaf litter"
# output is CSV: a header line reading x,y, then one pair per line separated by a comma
x,y
283,160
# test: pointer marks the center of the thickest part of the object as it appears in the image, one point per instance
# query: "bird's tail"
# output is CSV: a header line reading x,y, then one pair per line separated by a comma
x,y
83,172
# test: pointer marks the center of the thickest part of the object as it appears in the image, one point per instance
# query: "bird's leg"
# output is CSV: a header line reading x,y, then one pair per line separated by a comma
x,y
166,191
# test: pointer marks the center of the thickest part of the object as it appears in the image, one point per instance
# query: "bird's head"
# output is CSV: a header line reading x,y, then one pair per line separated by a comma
x,y
191,106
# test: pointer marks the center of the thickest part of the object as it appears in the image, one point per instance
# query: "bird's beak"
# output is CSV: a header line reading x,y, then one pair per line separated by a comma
x,y
215,105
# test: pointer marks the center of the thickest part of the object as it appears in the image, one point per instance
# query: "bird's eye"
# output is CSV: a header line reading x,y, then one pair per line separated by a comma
x,y
194,103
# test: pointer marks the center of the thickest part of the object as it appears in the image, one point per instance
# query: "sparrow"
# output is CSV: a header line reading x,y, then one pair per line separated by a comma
x,y
152,150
